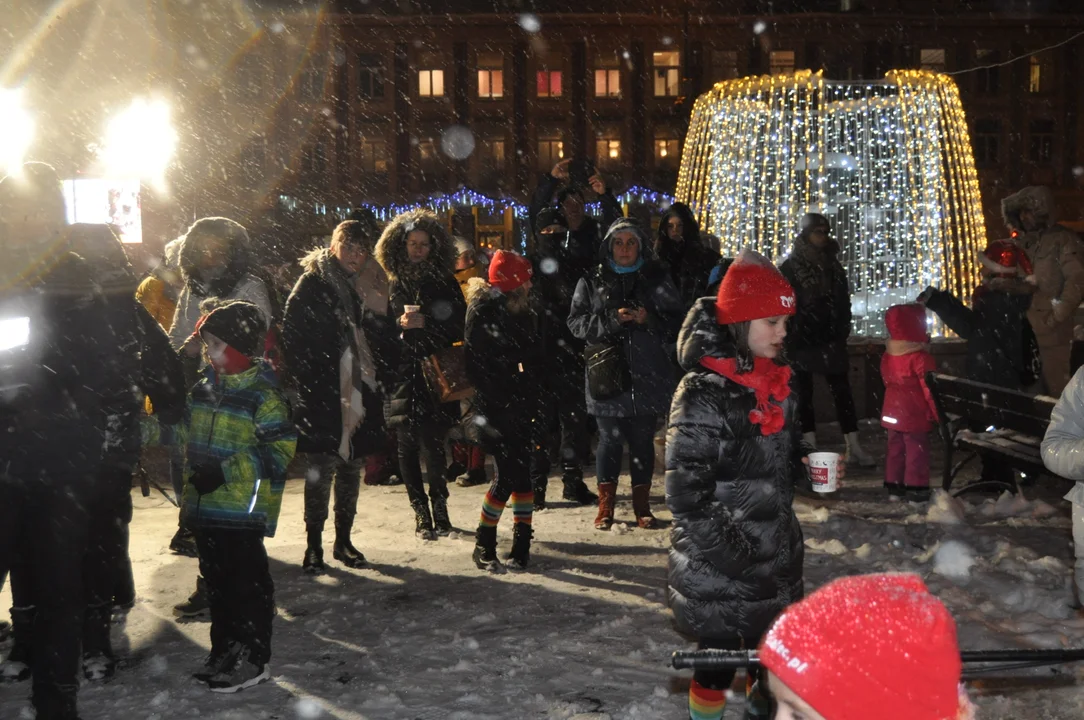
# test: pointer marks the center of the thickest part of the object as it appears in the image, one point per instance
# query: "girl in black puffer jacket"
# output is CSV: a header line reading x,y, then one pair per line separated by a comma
x,y
733,456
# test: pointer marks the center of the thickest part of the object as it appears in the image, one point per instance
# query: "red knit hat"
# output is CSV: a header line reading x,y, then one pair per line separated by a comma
x,y
1004,257
870,645
508,271
752,289
907,322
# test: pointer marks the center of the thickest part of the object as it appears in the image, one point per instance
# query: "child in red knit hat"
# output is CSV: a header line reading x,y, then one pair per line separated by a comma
x,y
734,455
909,411
866,646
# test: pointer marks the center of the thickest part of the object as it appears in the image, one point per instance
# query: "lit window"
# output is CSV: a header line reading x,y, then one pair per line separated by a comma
x,y
607,152
667,73
550,152
373,156
608,83
431,83
781,61
490,75
932,59
549,83
427,153
1035,75
493,153
667,153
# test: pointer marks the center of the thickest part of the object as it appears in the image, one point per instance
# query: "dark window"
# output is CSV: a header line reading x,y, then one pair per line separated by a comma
x,y
988,79
1041,141
551,151
373,156
370,77
986,141
724,65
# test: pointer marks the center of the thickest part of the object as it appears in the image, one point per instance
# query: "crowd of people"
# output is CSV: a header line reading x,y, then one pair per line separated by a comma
x,y
602,329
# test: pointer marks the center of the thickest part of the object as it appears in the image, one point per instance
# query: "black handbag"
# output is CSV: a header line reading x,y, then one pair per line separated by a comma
x,y
608,373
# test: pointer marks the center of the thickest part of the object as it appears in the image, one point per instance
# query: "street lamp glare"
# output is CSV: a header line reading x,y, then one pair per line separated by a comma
x,y
140,141
16,129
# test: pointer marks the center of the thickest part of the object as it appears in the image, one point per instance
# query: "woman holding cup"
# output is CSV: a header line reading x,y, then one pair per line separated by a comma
x,y
734,454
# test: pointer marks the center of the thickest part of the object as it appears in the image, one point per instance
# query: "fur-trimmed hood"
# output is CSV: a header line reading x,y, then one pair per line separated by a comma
x,y
238,255
1036,198
391,248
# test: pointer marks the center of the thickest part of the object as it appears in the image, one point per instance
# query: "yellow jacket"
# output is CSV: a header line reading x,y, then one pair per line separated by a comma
x,y
153,296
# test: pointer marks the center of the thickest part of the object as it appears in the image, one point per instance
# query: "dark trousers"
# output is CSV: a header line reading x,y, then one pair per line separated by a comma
x,y
106,567
323,472
239,589
415,441
513,471
638,433
44,499
565,407
840,385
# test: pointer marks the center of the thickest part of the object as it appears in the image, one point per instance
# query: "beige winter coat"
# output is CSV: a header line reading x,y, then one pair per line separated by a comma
x,y
1057,255
371,282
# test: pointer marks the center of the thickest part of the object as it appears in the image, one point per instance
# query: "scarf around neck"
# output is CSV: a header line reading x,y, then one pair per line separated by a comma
x,y
769,382
622,270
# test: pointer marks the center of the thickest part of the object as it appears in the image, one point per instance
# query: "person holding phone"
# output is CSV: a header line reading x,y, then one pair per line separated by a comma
x,y
627,312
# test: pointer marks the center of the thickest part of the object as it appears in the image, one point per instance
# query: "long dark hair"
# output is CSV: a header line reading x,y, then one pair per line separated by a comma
x,y
742,353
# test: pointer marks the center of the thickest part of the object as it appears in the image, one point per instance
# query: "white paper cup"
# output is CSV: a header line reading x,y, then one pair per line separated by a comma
x,y
824,471
408,309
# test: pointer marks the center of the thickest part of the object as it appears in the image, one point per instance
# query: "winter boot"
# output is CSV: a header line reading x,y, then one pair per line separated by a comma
x,y
757,704
810,439
313,562
485,549
213,665
577,491
641,507
344,551
238,672
856,454
197,604
184,543
895,490
442,524
607,497
17,665
521,546
539,497
423,522
918,494
706,703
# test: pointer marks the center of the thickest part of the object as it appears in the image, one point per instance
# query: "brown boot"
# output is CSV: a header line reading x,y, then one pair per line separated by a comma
x,y
641,507
607,496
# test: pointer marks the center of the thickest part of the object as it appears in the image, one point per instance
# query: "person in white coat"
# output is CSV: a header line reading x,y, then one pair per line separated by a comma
x,y
1063,454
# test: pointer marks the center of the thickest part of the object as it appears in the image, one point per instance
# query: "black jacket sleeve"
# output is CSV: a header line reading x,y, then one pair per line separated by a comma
x,y
959,318
611,211
841,293
162,371
543,195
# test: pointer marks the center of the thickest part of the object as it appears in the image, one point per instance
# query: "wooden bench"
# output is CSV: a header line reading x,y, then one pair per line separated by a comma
x,y
1012,427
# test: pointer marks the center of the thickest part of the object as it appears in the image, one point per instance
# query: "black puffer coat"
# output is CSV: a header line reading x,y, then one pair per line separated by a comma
x,y
817,335
1001,347
505,363
736,546
433,286
314,336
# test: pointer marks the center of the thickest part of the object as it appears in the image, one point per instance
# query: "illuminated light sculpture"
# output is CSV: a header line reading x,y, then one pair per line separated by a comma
x,y
889,163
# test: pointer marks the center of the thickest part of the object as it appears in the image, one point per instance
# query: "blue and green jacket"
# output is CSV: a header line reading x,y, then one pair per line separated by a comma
x,y
243,423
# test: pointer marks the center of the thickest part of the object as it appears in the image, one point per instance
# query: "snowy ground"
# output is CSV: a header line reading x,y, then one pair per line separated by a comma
x,y
423,635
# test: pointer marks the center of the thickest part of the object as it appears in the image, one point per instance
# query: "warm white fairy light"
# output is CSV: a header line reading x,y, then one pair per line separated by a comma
x,y
889,163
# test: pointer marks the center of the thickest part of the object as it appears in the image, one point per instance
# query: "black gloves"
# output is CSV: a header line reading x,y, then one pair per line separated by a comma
x,y
207,478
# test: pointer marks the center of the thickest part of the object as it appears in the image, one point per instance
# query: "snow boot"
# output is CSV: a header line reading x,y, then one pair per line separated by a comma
x,y
485,550
313,562
539,498
442,524
238,672
856,454
213,665
810,439
521,546
895,490
17,665
577,491
184,543
344,551
918,494
423,522
641,507
607,497
197,603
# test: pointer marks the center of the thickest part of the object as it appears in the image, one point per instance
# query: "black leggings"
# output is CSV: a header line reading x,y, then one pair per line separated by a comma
x,y
840,385
413,442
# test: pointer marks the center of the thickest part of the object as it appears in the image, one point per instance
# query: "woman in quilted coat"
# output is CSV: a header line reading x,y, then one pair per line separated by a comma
x,y
734,453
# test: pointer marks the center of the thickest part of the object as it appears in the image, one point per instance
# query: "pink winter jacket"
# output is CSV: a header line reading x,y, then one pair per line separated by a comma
x,y
908,405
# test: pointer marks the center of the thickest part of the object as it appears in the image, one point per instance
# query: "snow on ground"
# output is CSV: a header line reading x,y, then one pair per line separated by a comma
x,y
423,635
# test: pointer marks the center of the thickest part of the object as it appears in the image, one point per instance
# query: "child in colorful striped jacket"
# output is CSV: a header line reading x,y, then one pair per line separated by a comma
x,y
238,441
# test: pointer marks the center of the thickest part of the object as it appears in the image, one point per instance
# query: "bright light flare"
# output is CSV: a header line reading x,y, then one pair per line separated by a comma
x,y
16,129
14,332
140,141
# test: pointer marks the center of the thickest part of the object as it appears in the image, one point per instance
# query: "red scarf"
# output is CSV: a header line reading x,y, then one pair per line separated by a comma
x,y
768,381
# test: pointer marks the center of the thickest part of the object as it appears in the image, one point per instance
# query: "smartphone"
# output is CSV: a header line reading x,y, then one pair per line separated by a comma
x,y
580,171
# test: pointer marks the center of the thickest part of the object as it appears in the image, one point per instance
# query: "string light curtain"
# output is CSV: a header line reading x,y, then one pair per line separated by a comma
x,y
889,163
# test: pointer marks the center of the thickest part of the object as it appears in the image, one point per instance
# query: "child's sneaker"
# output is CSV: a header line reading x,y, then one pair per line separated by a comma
x,y
239,672
212,665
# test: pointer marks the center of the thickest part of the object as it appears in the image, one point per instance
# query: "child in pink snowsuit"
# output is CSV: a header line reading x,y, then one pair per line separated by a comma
x,y
909,411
